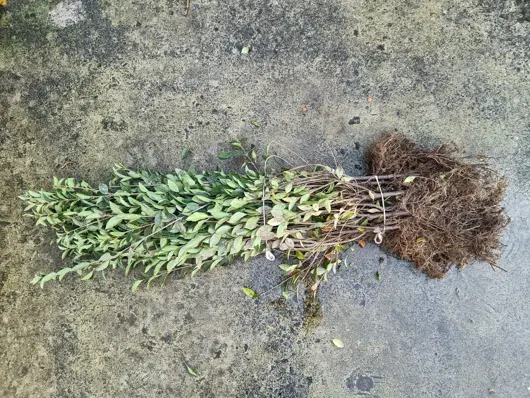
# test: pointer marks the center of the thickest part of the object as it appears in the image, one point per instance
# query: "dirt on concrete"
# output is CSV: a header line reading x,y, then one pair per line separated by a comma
x,y
88,83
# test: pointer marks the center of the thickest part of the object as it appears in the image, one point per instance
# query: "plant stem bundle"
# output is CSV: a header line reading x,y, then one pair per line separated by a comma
x,y
154,224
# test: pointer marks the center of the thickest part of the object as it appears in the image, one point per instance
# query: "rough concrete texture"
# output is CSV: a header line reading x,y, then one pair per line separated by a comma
x,y
96,82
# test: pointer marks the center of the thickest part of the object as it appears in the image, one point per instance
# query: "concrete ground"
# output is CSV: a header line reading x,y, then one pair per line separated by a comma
x,y
87,83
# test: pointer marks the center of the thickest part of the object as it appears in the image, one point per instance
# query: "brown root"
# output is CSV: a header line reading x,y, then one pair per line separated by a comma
x,y
455,207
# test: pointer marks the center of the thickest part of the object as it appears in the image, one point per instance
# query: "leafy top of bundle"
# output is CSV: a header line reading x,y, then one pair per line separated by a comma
x,y
425,205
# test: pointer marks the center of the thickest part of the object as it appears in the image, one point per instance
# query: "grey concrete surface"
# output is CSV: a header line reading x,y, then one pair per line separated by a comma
x,y
96,82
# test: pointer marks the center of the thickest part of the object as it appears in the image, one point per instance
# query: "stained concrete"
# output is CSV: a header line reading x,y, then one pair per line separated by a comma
x,y
87,83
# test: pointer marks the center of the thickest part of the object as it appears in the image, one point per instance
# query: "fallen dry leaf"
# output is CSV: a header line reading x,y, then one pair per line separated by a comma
x,y
330,256
370,99
362,243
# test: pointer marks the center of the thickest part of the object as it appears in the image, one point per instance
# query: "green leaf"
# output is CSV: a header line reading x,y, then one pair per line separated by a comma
x,y
250,293
377,275
113,222
136,284
252,223
105,257
224,155
88,276
409,179
236,217
281,229
185,152
338,343
173,185
191,371
238,244
46,278
103,188
245,50
214,240
197,217
238,203
117,219
287,267
115,208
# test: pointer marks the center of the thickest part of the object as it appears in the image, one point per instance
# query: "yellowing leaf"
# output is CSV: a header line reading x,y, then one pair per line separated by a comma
x,y
338,343
372,195
409,179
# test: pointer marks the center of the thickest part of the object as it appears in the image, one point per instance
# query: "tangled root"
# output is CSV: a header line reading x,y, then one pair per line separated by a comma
x,y
455,207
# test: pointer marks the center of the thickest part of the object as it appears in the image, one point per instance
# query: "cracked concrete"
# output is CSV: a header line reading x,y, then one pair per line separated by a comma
x,y
92,82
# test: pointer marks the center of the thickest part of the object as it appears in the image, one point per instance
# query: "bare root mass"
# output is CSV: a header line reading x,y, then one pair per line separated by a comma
x,y
455,213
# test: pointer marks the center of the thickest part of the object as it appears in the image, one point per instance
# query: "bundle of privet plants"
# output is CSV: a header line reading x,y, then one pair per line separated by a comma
x,y
154,225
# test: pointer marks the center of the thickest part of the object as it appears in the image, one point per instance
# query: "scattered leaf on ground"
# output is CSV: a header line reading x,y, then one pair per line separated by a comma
x,y
245,50
409,179
190,370
224,155
377,276
250,293
185,152
362,243
338,343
